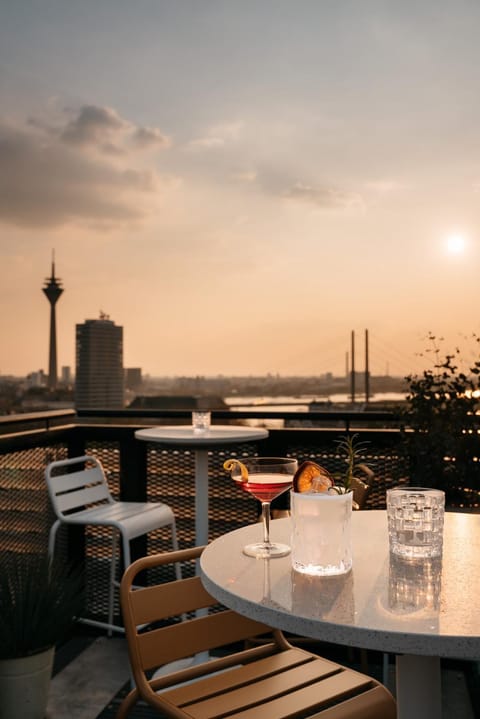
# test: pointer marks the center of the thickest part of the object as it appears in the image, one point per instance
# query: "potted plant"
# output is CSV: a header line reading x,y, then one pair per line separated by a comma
x,y
311,476
357,475
39,601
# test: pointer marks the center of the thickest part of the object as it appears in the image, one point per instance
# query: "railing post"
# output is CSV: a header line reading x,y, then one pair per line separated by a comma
x,y
133,482
76,444
272,446
133,470
76,535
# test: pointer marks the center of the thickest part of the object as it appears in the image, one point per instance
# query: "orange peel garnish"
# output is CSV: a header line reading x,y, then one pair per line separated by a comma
x,y
230,465
310,476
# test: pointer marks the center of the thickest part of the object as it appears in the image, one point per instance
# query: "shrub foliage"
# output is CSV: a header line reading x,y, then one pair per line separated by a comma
x,y
442,435
39,601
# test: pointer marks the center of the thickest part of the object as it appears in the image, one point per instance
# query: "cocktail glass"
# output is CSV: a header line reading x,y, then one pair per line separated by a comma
x,y
268,477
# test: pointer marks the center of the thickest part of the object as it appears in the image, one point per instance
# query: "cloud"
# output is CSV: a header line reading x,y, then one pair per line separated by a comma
x,y
104,129
247,176
150,137
85,170
324,197
206,143
93,126
217,136
384,187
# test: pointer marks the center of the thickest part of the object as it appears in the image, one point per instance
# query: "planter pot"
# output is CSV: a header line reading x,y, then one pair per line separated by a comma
x,y
24,684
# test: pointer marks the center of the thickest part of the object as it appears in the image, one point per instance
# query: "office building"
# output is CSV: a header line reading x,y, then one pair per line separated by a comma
x,y
99,379
66,375
133,378
36,379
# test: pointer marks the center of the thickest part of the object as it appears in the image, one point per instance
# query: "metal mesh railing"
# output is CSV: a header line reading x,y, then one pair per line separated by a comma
x,y
25,512
26,515
170,479
390,467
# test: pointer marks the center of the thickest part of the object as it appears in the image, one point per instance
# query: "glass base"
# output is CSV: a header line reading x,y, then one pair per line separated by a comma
x,y
416,551
266,551
323,570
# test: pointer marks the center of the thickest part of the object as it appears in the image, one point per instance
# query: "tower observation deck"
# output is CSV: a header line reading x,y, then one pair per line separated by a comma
x,y
52,290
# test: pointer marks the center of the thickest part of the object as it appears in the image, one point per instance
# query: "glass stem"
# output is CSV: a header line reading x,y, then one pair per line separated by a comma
x,y
266,522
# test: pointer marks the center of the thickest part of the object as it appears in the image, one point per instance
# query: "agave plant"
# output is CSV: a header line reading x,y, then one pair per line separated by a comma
x,y
39,601
352,451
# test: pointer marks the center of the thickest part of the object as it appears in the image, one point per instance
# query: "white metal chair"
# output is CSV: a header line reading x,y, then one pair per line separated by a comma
x,y
81,497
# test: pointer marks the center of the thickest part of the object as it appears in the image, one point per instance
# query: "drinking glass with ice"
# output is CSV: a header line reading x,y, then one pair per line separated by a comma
x,y
321,526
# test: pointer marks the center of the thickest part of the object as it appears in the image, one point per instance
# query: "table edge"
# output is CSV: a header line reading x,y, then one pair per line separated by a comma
x,y
390,641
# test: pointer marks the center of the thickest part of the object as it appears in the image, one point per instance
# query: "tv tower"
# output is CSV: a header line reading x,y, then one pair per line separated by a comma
x,y
52,289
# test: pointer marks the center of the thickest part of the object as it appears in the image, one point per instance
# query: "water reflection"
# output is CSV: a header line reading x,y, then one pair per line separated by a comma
x,y
414,584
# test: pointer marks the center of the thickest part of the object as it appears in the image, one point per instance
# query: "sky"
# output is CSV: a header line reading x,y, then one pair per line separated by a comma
x,y
241,184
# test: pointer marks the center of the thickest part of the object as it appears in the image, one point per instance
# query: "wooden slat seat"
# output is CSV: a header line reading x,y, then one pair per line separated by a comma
x,y
267,680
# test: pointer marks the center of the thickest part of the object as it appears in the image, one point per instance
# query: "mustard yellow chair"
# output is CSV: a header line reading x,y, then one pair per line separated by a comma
x,y
270,680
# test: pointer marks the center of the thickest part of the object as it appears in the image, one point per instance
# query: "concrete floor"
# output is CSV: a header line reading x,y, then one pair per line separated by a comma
x,y
86,685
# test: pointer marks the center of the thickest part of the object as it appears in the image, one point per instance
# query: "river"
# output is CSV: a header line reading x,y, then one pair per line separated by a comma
x,y
301,403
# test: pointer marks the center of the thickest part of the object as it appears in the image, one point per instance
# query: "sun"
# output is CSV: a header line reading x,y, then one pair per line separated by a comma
x,y
456,244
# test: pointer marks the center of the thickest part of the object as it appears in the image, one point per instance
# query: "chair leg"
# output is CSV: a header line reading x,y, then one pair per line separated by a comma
x,y
111,588
178,566
126,552
92,622
113,583
51,538
386,670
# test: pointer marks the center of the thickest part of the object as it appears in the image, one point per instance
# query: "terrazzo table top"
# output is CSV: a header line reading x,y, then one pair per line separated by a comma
x,y
427,607
216,435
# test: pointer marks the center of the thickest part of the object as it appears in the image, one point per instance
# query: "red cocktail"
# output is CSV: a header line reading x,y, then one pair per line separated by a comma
x,y
265,478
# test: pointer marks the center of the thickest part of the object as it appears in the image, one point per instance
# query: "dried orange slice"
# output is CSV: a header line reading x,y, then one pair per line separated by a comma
x,y
310,476
230,464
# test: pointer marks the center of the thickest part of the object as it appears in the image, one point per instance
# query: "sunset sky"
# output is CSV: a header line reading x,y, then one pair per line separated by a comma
x,y
240,183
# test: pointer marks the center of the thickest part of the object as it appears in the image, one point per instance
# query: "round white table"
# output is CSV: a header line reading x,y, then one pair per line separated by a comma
x,y
216,436
419,610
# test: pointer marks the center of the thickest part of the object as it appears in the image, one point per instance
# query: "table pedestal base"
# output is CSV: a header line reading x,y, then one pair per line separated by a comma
x,y
419,693
201,497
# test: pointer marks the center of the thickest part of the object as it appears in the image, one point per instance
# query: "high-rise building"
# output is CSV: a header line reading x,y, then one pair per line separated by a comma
x,y
52,289
99,377
66,375
133,378
36,379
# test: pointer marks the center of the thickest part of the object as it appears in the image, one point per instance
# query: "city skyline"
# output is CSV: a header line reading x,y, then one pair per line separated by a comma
x,y
240,185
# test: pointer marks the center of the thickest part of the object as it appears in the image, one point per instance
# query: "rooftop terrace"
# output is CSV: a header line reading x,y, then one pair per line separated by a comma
x,y
141,471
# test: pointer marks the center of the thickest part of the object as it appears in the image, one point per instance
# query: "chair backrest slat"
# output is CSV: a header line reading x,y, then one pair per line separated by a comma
x,y
362,486
76,490
167,644
75,480
78,500
169,600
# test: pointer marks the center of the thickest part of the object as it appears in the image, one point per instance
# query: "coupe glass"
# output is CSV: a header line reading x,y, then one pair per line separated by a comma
x,y
268,477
